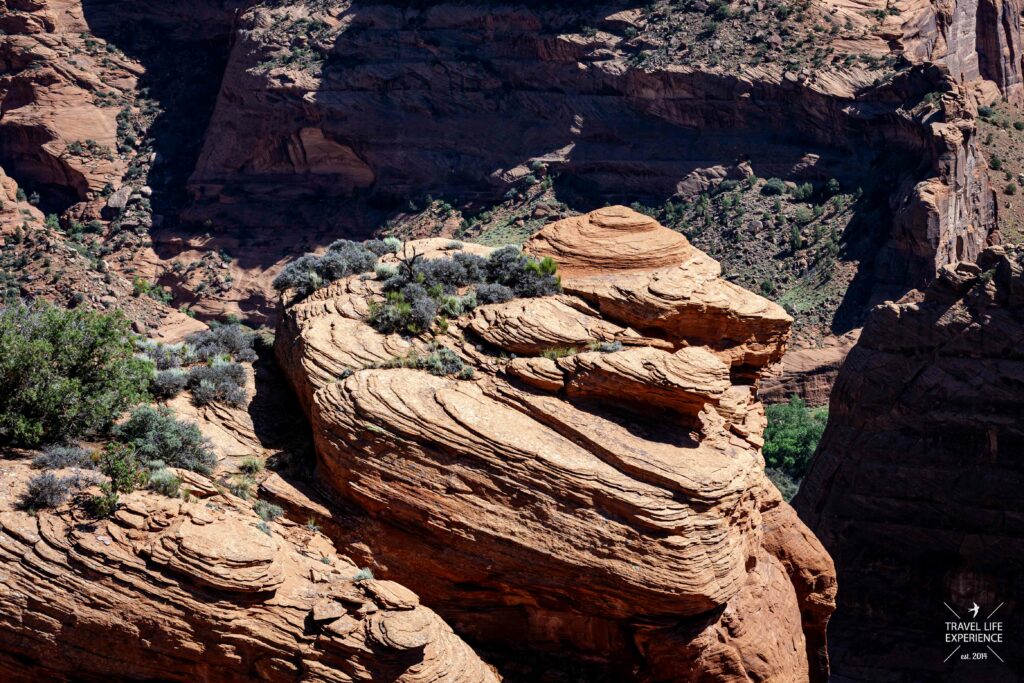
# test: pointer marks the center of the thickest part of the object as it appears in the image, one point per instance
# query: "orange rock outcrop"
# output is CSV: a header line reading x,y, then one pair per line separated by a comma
x,y
610,503
186,590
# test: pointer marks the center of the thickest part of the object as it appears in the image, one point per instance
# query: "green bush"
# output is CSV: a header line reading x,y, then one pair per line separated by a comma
x,y
105,504
773,186
157,435
441,361
786,484
792,436
65,373
119,462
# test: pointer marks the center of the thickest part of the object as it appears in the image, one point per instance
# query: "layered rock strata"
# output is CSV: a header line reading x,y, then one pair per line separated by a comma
x,y
915,489
185,590
611,504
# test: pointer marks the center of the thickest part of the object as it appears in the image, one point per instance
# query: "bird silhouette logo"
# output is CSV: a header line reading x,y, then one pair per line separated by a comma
x,y
974,610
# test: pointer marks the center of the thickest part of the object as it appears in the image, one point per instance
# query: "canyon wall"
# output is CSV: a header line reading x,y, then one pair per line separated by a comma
x,y
387,104
915,489
328,117
609,505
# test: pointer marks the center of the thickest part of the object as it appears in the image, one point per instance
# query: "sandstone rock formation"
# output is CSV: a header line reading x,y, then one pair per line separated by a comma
x,y
915,489
609,503
185,590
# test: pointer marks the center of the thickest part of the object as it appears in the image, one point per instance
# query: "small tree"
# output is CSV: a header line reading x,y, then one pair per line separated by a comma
x,y
65,373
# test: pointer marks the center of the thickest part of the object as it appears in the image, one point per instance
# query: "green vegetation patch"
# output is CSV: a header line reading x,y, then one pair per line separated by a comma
x,y
65,374
790,440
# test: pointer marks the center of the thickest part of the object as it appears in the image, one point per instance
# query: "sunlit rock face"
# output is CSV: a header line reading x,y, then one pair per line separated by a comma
x,y
610,502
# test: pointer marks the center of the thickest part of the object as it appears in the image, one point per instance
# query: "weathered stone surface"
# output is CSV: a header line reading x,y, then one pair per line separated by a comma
x,y
608,240
610,504
531,326
915,489
684,302
183,591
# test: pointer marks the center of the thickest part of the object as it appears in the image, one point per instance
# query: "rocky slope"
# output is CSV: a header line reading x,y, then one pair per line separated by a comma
x,y
480,95
182,590
915,489
341,113
610,504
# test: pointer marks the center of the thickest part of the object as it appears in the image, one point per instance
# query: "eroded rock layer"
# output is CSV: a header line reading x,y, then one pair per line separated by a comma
x,y
610,503
195,590
915,489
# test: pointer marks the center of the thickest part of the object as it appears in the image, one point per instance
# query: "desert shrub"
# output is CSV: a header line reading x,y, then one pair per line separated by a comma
x,y
242,486
727,186
605,347
251,465
46,490
773,186
166,482
1010,189
526,277
394,244
155,434
385,271
300,275
169,383
59,456
308,273
104,504
439,361
454,306
378,247
493,294
363,575
792,436
442,361
556,352
411,310
221,381
65,373
233,340
803,192
119,462
268,512
449,273
473,265
986,112
164,356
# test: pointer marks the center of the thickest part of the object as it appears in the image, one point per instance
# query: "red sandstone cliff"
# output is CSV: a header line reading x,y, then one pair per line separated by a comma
x,y
915,489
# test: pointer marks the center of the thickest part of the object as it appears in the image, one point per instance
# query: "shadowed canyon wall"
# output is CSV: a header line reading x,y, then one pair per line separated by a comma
x,y
915,489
